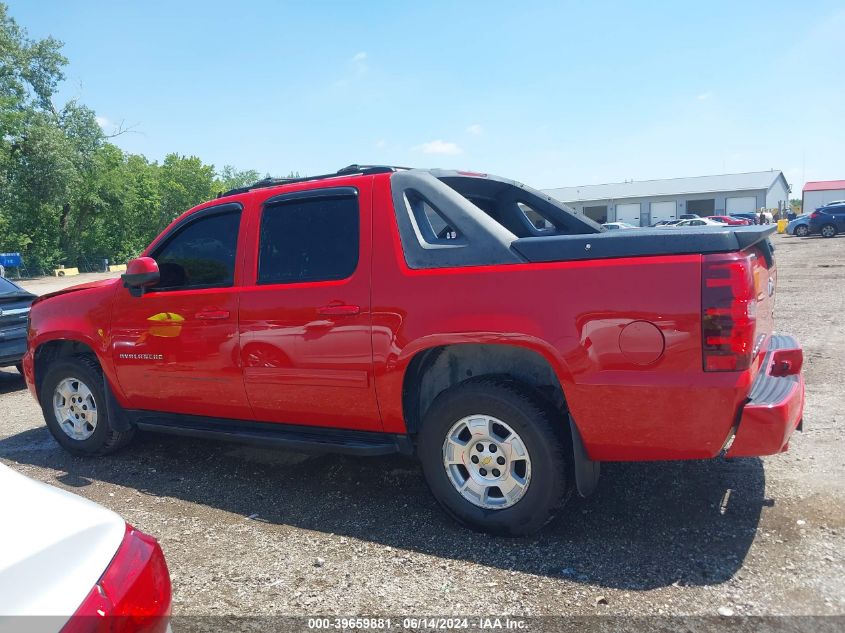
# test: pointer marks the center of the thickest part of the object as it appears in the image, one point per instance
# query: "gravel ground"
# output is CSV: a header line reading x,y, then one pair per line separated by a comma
x,y
43,285
253,532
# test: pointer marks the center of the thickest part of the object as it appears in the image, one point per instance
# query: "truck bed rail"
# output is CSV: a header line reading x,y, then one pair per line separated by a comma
x,y
640,243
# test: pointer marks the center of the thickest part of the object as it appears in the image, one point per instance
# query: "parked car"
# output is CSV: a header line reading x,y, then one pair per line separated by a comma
x,y
697,222
751,217
828,220
613,226
730,221
78,563
321,313
663,223
688,216
800,226
14,312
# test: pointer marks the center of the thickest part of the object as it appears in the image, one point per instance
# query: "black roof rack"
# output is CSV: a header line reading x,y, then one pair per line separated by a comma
x,y
350,170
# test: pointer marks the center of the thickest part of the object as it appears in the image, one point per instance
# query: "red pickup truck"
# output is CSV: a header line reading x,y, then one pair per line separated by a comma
x,y
509,343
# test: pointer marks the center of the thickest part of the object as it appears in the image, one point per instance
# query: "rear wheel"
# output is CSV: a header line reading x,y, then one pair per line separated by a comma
x,y
73,402
802,231
828,230
494,457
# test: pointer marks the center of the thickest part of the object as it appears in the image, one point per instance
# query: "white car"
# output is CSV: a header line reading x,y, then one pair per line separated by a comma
x,y
613,226
697,222
68,558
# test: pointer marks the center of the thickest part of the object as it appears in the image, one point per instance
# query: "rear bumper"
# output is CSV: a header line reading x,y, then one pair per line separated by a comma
x,y
774,410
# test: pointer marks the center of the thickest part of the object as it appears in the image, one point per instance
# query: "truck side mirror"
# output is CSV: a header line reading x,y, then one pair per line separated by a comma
x,y
140,273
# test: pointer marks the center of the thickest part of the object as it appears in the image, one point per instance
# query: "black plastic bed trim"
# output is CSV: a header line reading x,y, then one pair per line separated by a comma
x,y
640,243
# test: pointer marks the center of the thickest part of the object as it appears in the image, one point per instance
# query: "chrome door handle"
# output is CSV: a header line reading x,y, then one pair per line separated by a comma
x,y
209,315
338,309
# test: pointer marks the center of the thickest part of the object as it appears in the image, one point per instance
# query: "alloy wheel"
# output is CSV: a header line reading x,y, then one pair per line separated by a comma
x,y
487,462
75,408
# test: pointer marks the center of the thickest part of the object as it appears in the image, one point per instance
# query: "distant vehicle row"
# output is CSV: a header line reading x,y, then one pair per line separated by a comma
x,y
688,220
827,221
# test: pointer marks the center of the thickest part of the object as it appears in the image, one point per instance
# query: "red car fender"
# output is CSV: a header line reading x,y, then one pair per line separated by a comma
x,y
80,314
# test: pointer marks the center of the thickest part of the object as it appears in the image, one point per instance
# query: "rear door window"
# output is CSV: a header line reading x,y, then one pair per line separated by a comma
x,y
309,239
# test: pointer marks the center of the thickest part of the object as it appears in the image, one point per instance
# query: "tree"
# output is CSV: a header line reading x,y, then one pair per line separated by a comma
x,y
31,69
231,178
184,182
33,160
67,195
43,152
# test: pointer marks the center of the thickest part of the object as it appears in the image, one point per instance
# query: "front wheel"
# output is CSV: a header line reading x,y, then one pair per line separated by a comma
x,y
73,401
828,230
494,457
802,231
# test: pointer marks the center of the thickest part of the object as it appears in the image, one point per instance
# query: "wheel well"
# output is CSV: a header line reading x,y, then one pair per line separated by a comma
x,y
51,351
434,370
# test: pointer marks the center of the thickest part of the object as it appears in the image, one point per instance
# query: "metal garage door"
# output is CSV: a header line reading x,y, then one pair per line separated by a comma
x,y
663,211
629,213
599,213
747,204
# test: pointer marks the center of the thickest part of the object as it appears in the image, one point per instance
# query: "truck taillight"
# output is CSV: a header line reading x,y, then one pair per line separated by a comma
x,y
728,311
133,594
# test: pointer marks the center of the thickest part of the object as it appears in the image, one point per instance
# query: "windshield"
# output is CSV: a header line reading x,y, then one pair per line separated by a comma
x,y
8,288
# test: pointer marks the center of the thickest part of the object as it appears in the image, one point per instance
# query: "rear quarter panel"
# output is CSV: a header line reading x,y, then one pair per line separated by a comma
x,y
572,313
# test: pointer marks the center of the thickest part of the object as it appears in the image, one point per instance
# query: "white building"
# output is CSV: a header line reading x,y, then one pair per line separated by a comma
x,y
646,201
820,192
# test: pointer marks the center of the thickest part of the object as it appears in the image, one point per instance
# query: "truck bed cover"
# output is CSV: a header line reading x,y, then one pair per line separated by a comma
x,y
640,243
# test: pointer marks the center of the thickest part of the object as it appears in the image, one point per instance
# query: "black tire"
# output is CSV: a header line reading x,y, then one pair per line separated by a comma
x,y
86,369
540,429
802,231
828,230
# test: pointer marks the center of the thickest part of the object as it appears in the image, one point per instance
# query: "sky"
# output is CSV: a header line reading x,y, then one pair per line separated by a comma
x,y
549,93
